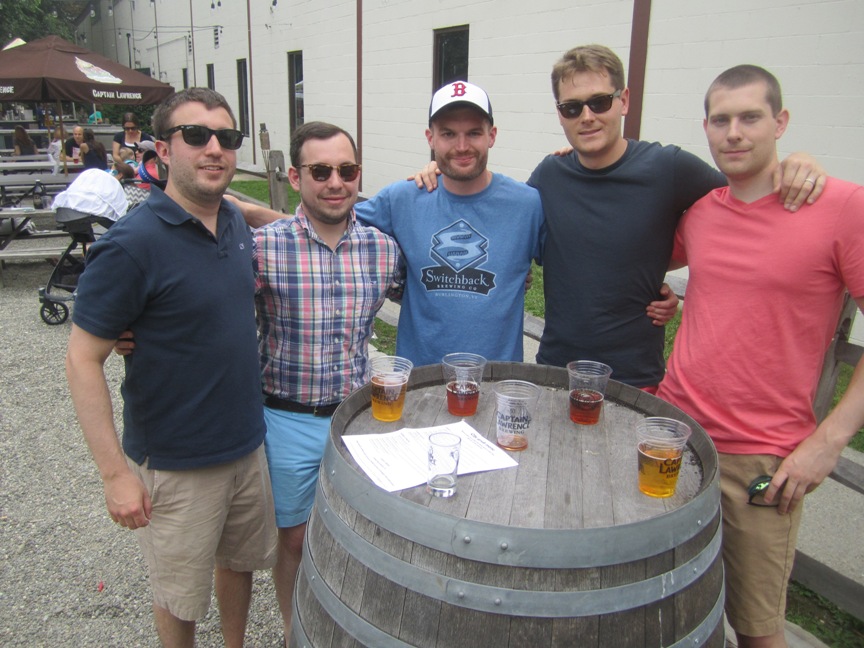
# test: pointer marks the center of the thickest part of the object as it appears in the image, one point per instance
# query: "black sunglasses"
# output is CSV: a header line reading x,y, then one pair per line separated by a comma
x,y
195,135
572,109
757,489
130,128
322,172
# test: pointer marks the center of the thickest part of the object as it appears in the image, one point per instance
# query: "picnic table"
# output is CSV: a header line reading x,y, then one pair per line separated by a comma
x,y
34,163
16,186
14,228
15,222
8,155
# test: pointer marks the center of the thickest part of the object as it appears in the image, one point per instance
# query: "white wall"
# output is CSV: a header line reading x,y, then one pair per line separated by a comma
x,y
512,46
815,47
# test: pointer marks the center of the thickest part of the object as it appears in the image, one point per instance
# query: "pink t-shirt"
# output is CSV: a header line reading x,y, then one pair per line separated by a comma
x,y
763,298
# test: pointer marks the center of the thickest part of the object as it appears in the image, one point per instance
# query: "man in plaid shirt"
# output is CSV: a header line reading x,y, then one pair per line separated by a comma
x,y
321,277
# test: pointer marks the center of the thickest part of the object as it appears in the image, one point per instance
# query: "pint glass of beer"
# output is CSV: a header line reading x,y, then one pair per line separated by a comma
x,y
463,373
588,380
389,383
660,443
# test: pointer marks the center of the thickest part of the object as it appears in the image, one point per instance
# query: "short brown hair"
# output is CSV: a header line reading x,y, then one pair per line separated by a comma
x,y
210,98
588,58
741,75
124,171
315,130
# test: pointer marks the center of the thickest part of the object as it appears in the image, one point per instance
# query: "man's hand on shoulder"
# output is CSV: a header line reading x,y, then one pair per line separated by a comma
x,y
799,178
427,177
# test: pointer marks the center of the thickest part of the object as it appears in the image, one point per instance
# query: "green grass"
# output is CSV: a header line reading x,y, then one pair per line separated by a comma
x,y
823,619
385,337
259,190
534,302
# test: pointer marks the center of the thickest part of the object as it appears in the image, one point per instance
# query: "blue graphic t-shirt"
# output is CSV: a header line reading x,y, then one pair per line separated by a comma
x,y
467,258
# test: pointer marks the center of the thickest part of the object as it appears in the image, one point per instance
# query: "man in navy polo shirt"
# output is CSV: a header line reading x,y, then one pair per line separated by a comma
x,y
191,476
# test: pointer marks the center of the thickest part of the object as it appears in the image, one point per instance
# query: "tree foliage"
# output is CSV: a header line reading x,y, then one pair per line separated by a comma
x,y
32,19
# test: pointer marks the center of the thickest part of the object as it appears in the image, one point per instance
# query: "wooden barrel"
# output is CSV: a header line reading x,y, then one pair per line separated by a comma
x,y
561,551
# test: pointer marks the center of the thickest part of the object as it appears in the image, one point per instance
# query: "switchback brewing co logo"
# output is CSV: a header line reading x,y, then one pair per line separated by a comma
x,y
459,249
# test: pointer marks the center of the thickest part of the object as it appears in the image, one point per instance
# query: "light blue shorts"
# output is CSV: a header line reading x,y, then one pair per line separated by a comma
x,y
295,446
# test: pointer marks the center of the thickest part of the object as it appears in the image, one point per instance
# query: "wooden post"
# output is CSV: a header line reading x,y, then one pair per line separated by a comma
x,y
831,369
276,179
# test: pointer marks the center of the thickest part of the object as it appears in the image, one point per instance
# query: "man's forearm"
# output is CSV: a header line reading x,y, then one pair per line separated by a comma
x,y
92,402
257,216
88,387
847,417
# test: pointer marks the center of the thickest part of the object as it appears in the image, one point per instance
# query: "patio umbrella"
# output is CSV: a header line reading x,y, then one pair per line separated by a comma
x,y
53,69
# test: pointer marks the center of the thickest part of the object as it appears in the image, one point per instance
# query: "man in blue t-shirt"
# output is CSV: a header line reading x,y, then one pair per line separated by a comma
x,y
467,248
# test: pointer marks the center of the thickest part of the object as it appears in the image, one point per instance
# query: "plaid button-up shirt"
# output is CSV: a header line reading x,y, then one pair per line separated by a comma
x,y
316,306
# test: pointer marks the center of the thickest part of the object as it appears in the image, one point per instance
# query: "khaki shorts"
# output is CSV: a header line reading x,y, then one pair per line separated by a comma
x,y
758,548
216,516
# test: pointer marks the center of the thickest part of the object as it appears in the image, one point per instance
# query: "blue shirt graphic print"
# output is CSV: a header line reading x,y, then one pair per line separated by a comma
x,y
466,259
459,250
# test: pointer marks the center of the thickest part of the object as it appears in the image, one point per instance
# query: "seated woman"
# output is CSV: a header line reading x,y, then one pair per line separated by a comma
x,y
93,153
22,143
131,135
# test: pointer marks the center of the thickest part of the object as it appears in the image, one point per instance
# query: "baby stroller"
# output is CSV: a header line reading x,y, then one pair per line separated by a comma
x,y
94,199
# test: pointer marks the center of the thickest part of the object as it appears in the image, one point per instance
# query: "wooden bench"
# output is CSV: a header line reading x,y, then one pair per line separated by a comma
x,y
21,252
35,253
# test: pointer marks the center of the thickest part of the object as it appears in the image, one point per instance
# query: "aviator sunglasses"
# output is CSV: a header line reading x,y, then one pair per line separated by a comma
x,y
195,135
572,109
322,172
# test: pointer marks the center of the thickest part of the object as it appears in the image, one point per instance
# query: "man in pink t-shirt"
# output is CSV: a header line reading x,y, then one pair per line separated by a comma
x,y
765,291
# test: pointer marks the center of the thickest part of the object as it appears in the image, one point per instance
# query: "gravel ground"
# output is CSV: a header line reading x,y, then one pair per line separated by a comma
x,y
57,543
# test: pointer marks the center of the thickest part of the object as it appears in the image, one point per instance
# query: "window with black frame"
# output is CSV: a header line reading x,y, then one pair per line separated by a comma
x,y
243,97
295,89
451,56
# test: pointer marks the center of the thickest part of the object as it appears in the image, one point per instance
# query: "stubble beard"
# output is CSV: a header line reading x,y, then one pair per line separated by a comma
x,y
449,171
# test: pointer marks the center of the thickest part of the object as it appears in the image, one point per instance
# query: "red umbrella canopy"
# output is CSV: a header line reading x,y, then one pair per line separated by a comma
x,y
52,69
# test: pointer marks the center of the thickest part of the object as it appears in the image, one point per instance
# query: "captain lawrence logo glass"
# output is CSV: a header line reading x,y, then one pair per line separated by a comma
x,y
516,401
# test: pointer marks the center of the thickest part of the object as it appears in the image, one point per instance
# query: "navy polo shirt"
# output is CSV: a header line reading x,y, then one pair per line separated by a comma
x,y
192,391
